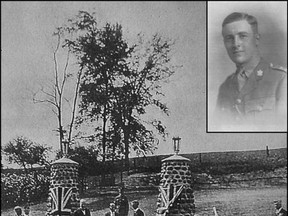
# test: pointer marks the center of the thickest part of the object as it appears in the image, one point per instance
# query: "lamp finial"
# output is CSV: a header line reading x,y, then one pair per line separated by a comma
x,y
176,144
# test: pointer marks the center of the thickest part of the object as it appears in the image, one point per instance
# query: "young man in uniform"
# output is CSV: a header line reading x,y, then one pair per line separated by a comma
x,y
254,97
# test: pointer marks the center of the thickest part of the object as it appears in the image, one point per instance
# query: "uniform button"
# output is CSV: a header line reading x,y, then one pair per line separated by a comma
x,y
259,108
238,101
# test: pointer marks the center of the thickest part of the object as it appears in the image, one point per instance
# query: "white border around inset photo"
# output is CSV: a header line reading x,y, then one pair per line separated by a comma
x,y
272,25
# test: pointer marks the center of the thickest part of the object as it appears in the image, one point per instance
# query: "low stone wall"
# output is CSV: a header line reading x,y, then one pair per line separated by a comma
x,y
204,180
259,178
143,179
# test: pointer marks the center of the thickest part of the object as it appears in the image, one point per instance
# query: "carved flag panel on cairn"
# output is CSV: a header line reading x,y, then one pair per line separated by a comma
x,y
64,192
176,194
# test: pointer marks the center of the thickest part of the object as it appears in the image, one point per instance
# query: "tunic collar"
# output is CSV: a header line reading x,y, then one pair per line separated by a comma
x,y
256,75
278,210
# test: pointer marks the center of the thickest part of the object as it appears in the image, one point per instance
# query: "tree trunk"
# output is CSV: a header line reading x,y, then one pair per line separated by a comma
x,y
104,135
60,131
126,147
74,107
113,152
104,143
25,169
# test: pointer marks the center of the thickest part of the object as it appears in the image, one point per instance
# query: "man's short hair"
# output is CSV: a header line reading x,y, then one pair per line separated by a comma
x,y
17,207
112,204
279,202
237,16
136,202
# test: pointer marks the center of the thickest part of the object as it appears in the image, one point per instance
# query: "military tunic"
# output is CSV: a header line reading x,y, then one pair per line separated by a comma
x,y
281,212
138,212
122,204
261,100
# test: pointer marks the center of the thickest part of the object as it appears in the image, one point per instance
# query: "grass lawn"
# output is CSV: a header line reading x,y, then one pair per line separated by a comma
x,y
240,201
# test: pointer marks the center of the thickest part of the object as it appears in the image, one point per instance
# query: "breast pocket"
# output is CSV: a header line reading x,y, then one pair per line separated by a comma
x,y
260,105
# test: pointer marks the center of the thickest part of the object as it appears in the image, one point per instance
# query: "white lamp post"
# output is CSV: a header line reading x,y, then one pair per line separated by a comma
x,y
176,144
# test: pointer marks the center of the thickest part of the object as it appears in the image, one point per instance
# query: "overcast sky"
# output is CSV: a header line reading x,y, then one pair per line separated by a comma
x,y
26,61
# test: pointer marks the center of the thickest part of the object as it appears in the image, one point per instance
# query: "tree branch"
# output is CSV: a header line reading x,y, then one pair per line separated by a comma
x,y
56,64
74,104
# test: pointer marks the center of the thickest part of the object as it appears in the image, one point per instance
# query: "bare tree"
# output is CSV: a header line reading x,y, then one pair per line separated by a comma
x,y
54,94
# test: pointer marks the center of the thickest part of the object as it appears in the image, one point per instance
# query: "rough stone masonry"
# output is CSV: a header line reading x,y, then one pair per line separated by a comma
x,y
64,192
176,194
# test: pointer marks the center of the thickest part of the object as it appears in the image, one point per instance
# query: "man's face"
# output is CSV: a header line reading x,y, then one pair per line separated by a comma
x,y
26,211
240,42
134,205
277,205
82,205
18,211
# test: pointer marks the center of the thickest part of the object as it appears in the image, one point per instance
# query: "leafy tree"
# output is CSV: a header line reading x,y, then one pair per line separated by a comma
x,y
26,153
100,53
149,66
119,83
87,159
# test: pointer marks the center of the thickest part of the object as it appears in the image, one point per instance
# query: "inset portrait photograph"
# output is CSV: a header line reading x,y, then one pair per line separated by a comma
x,y
246,67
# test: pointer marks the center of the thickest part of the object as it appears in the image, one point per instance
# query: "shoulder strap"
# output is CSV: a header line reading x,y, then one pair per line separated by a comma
x,y
276,67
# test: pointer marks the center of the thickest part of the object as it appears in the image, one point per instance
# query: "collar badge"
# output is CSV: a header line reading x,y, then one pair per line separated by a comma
x,y
260,73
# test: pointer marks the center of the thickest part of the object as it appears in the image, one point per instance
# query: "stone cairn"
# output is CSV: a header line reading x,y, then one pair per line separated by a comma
x,y
63,196
176,193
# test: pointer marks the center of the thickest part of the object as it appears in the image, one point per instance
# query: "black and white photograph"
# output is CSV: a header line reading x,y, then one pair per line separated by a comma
x,y
247,66
106,109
